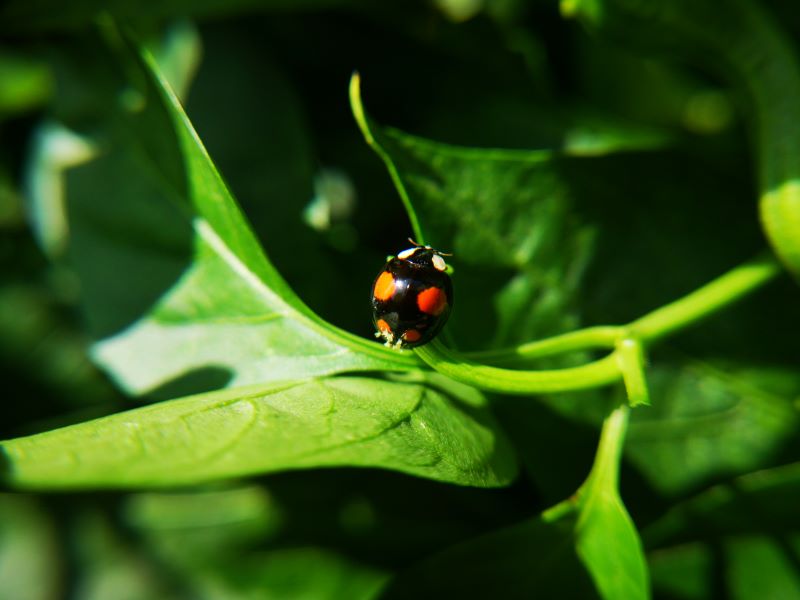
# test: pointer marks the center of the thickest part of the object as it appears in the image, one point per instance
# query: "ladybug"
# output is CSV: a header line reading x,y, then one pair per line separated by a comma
x,y
412,297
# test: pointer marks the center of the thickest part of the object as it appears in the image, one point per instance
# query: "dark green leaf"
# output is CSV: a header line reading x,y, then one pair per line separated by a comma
x,y
750,505
411,427
50,15
745,529
493,209
535,559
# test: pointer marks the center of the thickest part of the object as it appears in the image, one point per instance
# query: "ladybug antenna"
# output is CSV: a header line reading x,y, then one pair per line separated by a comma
x,y
418,245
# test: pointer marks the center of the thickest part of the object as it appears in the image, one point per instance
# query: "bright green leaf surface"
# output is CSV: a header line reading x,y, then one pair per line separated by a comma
x,y
230,309
602,516
414,428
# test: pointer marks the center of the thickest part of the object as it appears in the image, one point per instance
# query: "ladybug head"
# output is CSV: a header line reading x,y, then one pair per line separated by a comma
x,y
424,256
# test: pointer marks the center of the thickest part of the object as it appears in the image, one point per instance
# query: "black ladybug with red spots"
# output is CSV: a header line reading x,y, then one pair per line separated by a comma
x,y
412,297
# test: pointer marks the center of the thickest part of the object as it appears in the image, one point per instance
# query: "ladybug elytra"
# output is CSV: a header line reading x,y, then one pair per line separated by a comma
x,y
412,297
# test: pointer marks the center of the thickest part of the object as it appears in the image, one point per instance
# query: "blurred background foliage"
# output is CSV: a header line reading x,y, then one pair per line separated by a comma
x,y
656,198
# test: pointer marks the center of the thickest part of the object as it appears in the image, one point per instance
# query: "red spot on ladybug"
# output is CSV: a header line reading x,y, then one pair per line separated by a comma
x,y
384,286
432,301
412,335
383,327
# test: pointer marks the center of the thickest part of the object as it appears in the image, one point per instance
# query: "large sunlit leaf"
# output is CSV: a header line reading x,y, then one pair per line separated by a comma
x,y
228,308
435,429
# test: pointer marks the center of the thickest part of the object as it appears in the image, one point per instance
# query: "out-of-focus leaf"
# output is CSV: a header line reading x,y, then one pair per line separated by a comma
x,y
192,529
19,15
24,84
302,573
54,150
107,565
228,309
445,434
682,572
29,553
746,529
763,567
709,422
736,40
750,505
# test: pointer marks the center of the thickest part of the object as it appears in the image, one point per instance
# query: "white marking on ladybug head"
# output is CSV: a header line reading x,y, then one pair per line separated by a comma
x,y
438,263
405,254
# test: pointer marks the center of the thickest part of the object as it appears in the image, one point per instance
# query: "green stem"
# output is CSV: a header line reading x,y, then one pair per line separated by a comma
x,y
630,357
604,475
666,320
605,470
592,337
509,381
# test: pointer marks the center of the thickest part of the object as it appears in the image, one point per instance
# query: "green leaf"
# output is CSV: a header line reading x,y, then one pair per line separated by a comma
x,y
223,544
602,516
228,309
693,433
304,573
438,430
745,528
621,573
751,505
29,553
25,84
106,564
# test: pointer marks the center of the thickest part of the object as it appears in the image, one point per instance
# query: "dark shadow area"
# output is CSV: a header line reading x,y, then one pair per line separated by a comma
x,y
534,559
385,518
196,381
